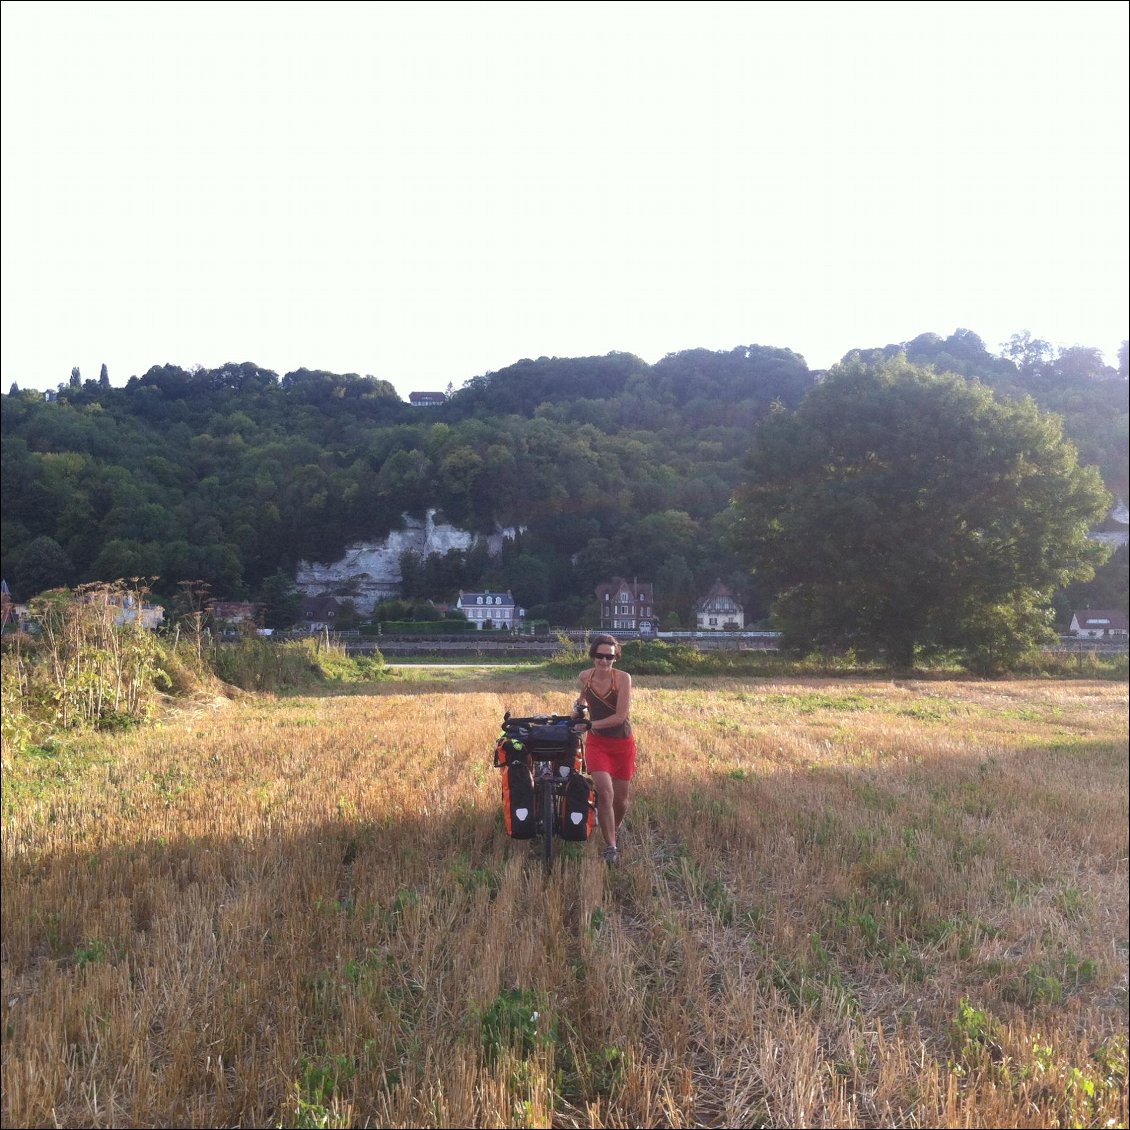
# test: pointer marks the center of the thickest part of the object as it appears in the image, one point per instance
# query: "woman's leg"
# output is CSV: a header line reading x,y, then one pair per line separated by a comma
x,y
606,805
620,795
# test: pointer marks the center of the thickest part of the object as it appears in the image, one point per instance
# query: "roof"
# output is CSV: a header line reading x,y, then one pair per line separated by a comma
x,y
718,592
1101,618
640,590
222,608
320,607
498,599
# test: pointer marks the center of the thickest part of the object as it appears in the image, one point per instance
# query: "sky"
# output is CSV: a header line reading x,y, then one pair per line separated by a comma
x,y
428,192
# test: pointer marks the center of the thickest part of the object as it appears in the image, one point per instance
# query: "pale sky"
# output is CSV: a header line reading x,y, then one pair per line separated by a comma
x,y
428,192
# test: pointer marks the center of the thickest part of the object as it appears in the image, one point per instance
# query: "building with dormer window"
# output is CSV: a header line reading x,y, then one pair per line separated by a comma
x,y
627,606
1099,624
494,608
719,611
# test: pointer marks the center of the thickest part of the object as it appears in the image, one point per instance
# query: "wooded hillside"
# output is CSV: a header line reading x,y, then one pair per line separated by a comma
x,y
611,465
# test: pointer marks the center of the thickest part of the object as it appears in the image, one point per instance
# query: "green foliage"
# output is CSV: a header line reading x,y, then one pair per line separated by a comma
x,y
516,1019
89,664
232,475
654,657
423,627
972,1031
905,514
256,664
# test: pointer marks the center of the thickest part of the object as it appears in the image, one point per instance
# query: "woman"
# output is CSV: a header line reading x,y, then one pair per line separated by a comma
x,y
611,748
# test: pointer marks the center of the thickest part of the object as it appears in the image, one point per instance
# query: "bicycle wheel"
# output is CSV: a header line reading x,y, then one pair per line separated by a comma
x,y
548,820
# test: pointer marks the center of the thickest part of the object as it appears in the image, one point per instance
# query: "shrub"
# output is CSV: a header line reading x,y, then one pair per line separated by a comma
x,y
255,664
88,663
654,657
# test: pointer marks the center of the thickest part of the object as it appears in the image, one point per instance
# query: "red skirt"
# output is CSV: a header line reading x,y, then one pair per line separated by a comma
x,y
615,756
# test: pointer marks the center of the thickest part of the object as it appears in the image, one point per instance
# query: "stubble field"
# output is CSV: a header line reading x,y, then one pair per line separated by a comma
x,y
841,902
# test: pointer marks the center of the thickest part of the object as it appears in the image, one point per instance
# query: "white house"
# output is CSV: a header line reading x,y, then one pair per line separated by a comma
x,y
1099,624
494,608
719,611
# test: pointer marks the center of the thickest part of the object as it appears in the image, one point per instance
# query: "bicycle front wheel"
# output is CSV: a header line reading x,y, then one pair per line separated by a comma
x,y
548,820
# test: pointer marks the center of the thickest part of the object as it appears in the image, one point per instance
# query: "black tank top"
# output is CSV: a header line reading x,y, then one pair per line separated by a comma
x,y
604,706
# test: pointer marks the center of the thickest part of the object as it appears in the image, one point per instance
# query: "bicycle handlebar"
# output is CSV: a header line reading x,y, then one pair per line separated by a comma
x,y
580,725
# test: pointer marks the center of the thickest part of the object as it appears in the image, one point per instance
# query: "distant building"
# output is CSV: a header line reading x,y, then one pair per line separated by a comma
x,y
320,612
150,616
427,399
128,609
235,612
719,611
495,608
11,612
627,606
1099,624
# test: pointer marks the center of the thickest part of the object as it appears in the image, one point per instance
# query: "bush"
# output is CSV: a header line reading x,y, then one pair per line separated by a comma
x,y
255,664
88,664
422,627
654,657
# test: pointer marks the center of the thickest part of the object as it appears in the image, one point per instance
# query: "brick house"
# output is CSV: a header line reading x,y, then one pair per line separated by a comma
x,y
1099,624
495,608
719,611
627,606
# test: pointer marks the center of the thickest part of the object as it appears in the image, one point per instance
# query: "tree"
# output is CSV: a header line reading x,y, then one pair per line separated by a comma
x,y
1081,363
104,377
281,599
1031,355
76,378
904,513
43,564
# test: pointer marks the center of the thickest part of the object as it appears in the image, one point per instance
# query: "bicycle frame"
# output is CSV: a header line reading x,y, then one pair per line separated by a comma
x,y
547,790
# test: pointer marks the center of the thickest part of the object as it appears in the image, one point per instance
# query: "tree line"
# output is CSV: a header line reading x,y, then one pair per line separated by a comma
x,y
610,466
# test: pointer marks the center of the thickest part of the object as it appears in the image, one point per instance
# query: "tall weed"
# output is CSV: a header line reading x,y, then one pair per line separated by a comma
x,y
88,663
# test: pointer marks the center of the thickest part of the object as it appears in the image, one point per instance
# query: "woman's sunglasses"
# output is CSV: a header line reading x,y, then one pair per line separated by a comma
x,y
605,655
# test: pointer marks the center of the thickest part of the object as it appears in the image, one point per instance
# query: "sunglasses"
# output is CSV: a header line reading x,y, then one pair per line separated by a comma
x,y
605,655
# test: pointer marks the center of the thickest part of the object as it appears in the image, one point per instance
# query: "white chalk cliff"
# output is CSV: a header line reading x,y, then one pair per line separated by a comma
x,y
369,572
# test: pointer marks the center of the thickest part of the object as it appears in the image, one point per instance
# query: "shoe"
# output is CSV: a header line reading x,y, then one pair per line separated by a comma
x,y
611,855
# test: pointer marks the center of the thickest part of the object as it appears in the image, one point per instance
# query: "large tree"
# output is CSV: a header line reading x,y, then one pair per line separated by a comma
x,y
901,513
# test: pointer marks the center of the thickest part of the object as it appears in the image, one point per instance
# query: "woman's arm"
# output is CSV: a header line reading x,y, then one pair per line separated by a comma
x,y
579,705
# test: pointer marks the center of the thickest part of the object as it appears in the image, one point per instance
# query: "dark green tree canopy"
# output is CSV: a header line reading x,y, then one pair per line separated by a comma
x,y
607,465
899,512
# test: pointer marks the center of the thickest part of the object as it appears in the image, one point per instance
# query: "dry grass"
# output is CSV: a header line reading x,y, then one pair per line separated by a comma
x,y
842,903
